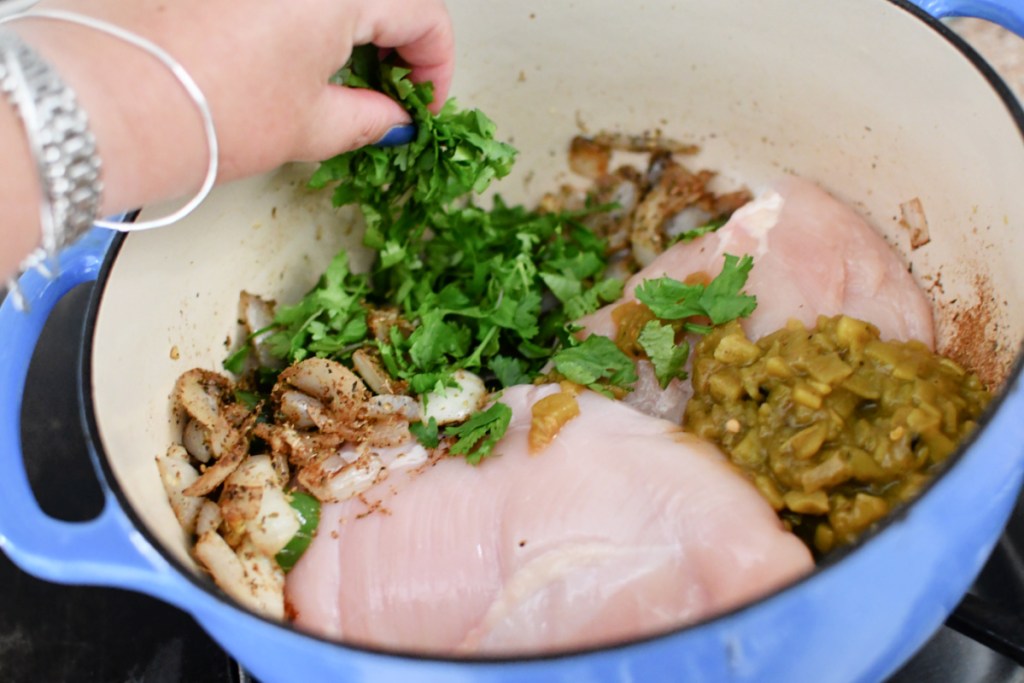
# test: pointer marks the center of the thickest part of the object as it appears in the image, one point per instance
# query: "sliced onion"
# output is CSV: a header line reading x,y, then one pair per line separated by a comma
x,y
243,493
296,407
334,479
193,437
373,373
274,524
257,314
251,578
690,218
209,517
177,474
396,405
265,580
340,392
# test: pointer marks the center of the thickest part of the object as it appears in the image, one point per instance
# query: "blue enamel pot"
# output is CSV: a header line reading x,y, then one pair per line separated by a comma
x,y
876,100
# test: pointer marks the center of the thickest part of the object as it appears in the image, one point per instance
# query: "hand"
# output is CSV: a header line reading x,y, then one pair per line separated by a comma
x,y
262,64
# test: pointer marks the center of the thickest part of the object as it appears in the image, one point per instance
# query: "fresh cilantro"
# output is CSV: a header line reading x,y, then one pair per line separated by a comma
x,y
565,287
329,321
701,230
454,154
670,299
680,307
721,300
250,399
478,435
668,358
426,433
592,298
494,291
473,283
597,363
509,371
435,339
235,363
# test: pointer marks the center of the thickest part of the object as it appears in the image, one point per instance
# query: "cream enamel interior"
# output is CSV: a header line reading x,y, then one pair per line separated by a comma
x,y
858,95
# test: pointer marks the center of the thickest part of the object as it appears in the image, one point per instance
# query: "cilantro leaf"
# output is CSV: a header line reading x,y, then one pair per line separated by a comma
x,y
509,371
454,154
564,287
478,435
475,288
701,230
328,321
668,358
670,299
235,363
593,298
426,433
721,300
436,338
475,284
597,363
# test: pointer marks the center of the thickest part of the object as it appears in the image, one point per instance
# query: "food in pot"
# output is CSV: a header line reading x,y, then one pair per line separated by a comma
x,y
835,426
814,258
392,373
812,254
622,526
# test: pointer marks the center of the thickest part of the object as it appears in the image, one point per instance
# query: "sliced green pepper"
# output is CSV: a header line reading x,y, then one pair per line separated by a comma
x,y
308,510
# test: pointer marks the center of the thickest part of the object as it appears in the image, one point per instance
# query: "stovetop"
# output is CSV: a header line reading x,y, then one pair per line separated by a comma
x,y
62,633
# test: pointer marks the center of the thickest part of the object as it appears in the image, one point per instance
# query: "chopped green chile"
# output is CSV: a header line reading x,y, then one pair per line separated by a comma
x,y
308,509
834,426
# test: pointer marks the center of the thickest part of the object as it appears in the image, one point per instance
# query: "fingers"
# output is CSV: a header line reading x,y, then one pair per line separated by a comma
x,y
349,118
432,58
423,39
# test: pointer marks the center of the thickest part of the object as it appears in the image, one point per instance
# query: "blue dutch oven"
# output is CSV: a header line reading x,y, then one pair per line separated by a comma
x,y
876,100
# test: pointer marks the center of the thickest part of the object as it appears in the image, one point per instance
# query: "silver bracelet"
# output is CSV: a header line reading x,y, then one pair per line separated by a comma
x,y
186,81
59,139
63,148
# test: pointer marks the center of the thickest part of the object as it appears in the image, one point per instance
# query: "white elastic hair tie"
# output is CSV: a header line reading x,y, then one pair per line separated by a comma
x,y
179,73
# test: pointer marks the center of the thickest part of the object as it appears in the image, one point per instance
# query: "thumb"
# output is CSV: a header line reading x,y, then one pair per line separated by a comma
x,y
348,118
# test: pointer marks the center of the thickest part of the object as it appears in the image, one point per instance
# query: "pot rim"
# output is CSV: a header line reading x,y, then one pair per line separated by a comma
x,y
1014,377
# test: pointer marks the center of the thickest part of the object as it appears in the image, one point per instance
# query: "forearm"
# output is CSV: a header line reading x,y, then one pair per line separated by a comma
x,y
264,67
149,137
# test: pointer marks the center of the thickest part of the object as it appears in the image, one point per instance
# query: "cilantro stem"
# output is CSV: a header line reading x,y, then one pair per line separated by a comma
x,y
474,360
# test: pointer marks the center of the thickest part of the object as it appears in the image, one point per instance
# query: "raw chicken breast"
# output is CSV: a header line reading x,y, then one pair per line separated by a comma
x,y
623,526
813,255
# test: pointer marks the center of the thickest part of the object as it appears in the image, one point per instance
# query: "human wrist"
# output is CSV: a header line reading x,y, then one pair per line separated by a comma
x,y
59,141
21,182
148,136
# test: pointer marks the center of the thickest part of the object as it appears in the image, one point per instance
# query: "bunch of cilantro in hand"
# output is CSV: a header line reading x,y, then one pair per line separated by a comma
x,y
487,290
494,291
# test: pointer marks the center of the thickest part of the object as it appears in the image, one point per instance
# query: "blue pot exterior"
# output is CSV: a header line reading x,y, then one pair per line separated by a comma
x,y
856,618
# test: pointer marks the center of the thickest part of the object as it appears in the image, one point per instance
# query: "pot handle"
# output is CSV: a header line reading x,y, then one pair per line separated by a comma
x,y
105,550
1007,13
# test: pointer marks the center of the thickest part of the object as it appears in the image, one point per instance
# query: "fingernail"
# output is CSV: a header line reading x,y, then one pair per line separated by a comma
x,y
398,135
